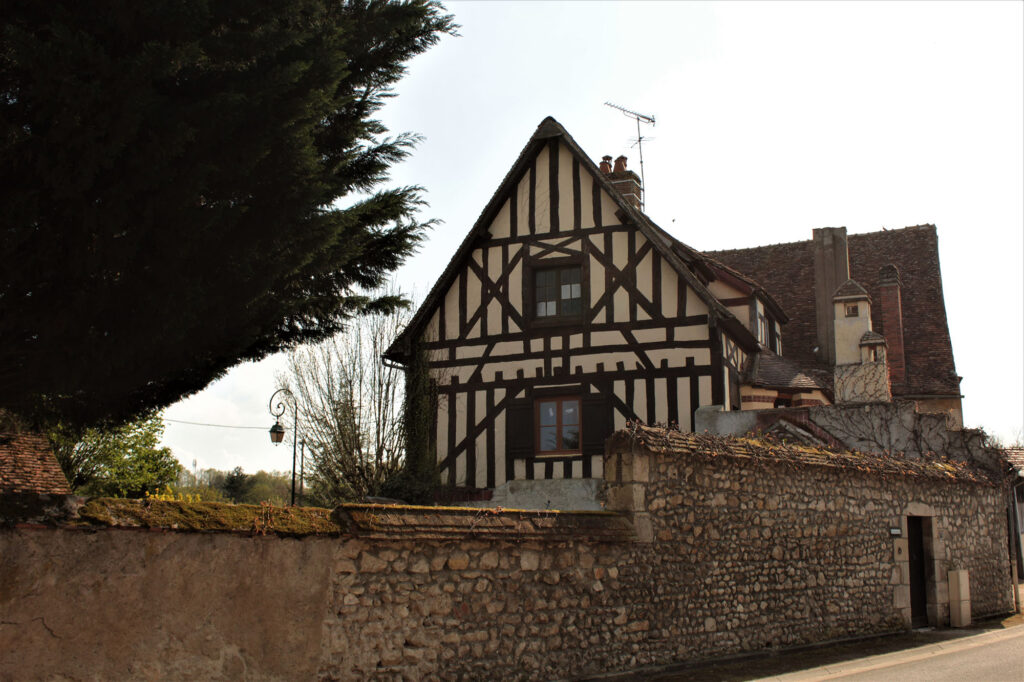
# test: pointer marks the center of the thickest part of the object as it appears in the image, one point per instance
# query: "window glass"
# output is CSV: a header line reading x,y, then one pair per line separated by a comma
x,y
558,425
548,438
558,291
571,437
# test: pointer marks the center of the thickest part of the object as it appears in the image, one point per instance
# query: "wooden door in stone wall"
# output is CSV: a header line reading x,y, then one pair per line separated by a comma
x,y
918,596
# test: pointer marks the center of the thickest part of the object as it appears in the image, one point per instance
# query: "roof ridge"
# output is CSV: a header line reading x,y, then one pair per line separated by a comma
x,y
922,226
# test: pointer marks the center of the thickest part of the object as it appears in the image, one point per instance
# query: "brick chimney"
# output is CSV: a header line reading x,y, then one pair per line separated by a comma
x,y
891,318
831,270
625,181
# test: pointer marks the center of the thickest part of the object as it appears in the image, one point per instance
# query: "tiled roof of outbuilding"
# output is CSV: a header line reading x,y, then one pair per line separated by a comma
x,y
787,271
1016,458
871,338
772,371
27,465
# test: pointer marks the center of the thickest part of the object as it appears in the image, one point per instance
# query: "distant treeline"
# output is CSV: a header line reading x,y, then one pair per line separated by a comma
x,y
214,485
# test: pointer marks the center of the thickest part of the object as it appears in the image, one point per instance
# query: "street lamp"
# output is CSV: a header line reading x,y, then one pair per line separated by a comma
x,y
277,431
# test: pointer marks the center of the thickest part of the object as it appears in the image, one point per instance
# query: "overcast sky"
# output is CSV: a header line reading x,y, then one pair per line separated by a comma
x,y
772,119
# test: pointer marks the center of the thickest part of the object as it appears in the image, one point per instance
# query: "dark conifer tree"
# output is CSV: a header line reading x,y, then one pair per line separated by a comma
x,y
188,184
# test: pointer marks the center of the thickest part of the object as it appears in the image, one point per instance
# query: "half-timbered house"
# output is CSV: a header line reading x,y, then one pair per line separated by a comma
x,y
567,312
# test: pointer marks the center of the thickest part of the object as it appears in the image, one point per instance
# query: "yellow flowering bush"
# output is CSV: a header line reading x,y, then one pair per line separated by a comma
x,y
169,495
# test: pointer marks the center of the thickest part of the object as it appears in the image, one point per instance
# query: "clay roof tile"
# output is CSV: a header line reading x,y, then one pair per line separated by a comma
x,y
787,271
27,465
850,290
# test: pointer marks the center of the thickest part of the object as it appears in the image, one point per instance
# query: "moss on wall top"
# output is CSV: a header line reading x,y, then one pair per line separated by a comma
x,y
261,519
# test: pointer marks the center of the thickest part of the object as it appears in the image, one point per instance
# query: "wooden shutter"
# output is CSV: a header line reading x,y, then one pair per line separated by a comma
x,y
519,434
598,423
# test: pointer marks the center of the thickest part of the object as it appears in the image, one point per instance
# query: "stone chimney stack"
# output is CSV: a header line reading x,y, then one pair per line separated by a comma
x,y
891,304
625,181
831,270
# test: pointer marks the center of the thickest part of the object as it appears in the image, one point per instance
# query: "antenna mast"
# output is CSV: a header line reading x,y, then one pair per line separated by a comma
x,y
639,141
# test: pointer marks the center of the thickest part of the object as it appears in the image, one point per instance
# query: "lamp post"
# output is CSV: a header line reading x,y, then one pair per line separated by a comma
x,y
277,431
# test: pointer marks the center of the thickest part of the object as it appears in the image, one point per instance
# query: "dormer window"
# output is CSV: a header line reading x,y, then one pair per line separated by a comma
x,y
852,310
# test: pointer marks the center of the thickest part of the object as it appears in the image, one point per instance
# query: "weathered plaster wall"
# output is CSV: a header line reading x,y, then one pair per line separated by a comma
x,y
899,427
896,426
144,605
740,555
862,383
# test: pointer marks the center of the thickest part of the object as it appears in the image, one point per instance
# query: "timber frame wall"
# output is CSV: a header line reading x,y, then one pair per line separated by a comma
x,y
647,346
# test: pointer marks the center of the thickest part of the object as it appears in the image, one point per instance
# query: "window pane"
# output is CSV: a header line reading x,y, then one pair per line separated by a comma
x,y
548,438
570,437
570,412
548,413
545,278
572,307
571,275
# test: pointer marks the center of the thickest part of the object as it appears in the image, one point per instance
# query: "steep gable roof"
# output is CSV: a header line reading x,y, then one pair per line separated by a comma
x,y
679,258
787,270
27,465
850,290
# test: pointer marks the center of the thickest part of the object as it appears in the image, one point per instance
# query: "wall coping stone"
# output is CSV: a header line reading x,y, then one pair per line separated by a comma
x,y
706,446
405,522
73,512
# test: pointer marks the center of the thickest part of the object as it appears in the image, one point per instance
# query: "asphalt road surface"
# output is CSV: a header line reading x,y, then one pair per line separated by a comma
x,y
986,652
996,659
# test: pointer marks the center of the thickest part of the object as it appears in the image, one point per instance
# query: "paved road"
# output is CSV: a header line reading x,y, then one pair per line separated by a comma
x,y
989,657
991,651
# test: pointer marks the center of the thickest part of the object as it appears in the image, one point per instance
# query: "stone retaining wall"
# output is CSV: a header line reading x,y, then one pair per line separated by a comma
x,y
716,555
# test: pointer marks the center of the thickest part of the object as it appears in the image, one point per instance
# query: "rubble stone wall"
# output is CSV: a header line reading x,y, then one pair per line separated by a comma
x,y
731,556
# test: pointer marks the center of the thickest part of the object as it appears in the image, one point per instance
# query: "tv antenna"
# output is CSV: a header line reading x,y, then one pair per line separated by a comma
x,y
639,141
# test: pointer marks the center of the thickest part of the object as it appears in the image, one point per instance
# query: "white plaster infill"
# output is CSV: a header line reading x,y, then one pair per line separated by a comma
x,y
871,663
567,494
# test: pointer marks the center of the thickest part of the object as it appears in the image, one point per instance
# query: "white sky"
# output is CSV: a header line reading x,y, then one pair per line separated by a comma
x,y
772,119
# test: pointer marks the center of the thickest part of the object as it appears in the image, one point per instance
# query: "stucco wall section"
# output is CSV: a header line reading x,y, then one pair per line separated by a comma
x,y
862,383
144,605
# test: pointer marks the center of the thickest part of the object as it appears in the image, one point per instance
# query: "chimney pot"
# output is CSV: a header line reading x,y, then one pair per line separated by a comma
x,y
620,164
606,164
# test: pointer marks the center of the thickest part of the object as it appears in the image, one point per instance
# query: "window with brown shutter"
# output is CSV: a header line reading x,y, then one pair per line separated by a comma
x,y
581,434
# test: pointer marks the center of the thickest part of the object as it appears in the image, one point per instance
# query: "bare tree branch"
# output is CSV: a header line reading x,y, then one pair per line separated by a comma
x,y
350,408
